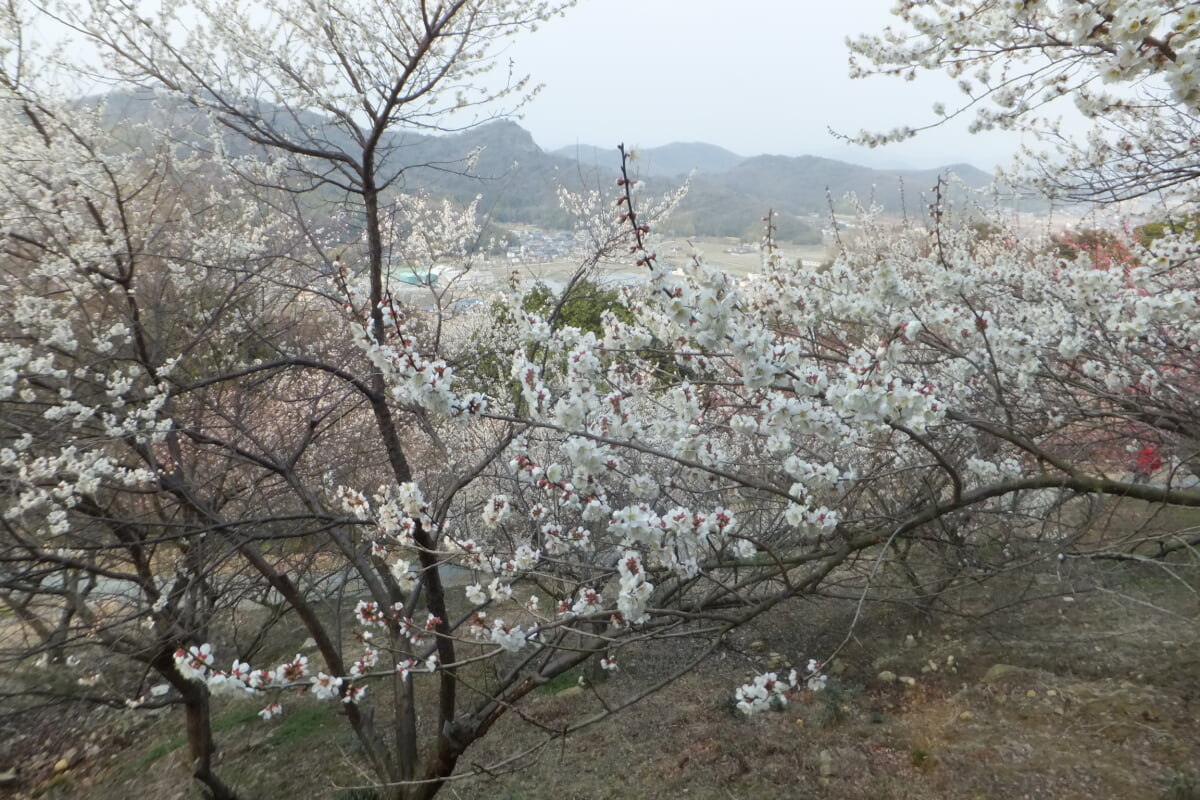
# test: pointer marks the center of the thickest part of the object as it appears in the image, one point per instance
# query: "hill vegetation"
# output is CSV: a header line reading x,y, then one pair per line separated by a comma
x,y
675,159
517,181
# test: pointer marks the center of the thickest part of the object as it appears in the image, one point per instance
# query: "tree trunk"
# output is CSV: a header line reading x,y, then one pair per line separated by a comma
x,y
199,726
200,741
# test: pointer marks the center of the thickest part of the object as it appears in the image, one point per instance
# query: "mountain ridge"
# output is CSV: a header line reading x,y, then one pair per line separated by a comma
x,y
516,180
672,159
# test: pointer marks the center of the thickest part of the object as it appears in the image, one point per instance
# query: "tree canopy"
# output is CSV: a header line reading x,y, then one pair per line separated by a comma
x,y
1130,66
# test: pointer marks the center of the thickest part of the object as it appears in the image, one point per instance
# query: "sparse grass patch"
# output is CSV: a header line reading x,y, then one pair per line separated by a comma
x,y
234,718
356,794
58,786
1181,786
299,725
158,751
560,682
833,701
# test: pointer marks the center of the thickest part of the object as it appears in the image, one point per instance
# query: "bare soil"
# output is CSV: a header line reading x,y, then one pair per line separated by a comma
x,y
1077,695
1091,697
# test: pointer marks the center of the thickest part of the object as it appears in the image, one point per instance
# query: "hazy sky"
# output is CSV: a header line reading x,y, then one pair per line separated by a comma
x,y
754,76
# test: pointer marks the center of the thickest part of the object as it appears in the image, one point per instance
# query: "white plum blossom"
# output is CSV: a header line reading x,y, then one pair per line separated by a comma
x,y
271,711
476,594
195,662
510,638
1064,46
326,687
635,590
769,691
499,590
495,510
405,574
766,691
526,558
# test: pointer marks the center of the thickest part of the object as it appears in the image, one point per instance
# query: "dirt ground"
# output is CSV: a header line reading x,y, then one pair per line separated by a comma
x,y
1082,694
1071,697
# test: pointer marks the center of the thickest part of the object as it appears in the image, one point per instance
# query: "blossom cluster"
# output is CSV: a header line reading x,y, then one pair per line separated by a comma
x,y
197,663
1130,66
770,691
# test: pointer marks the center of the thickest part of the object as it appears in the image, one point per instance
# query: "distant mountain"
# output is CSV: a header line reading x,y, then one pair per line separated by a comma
x,y
514,179
517,181
805,183
729,194
677,158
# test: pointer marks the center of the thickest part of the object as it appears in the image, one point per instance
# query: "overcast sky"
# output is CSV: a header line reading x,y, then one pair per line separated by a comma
x,y
754,76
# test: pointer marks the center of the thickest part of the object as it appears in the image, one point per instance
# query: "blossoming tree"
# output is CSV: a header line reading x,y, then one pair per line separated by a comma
x,y
714,448
1130,66
130,483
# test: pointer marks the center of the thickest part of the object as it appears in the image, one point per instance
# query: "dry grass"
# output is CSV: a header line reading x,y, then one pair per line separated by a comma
x,y
1093,698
